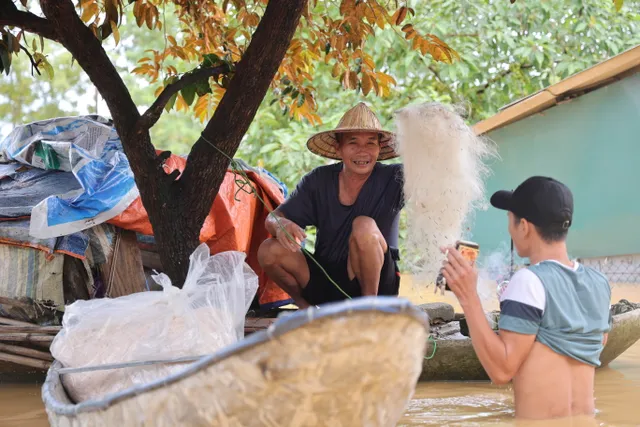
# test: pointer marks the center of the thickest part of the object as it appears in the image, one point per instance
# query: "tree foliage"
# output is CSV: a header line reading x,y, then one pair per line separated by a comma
x,y
238,50
373,49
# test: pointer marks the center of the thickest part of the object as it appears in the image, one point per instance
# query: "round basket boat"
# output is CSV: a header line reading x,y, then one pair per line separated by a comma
x,y
353,363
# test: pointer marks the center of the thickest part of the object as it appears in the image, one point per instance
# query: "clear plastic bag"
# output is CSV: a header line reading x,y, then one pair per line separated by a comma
x,y
204,316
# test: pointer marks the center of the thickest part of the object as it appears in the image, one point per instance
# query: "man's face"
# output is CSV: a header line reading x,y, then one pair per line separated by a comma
x,y
359,151
520,232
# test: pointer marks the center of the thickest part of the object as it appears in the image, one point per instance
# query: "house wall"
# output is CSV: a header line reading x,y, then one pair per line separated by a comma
x,y
592,144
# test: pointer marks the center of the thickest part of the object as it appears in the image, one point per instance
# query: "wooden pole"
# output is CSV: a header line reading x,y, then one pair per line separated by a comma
x,y
25,361
23,351
26,337
35,329
13,322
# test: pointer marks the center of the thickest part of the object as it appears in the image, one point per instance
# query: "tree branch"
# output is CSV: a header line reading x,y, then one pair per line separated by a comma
x,y
151,116
10,16
245,93
34,64
501,75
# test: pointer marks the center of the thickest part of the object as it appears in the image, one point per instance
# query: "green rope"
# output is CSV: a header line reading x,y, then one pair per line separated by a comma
x,y
435,345
246,182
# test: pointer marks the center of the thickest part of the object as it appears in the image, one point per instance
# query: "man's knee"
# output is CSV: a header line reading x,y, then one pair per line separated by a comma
x,y
269,252
364,231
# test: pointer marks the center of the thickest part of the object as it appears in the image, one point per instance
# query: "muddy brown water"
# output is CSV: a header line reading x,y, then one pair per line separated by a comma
x,y
617,390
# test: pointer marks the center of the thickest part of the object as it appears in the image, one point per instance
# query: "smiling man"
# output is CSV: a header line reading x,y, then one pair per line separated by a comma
x,y
354,204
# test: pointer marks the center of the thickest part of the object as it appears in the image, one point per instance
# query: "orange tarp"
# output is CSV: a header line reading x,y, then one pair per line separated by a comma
x,y
232,225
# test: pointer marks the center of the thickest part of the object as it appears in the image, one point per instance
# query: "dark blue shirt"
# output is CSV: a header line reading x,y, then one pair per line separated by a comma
x,y
315,202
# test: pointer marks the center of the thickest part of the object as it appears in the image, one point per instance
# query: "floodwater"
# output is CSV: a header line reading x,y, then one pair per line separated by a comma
x,y
617,391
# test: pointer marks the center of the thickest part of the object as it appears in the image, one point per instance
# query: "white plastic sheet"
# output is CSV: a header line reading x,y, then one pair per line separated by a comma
x,y
204,316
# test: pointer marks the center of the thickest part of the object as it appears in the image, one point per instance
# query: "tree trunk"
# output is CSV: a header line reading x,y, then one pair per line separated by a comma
x,y
177,223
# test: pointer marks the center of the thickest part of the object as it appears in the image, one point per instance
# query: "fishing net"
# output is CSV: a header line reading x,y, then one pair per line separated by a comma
x,y
444,174
205,315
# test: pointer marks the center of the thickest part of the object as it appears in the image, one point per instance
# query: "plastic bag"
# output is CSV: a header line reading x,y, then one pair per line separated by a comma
x,y
207,314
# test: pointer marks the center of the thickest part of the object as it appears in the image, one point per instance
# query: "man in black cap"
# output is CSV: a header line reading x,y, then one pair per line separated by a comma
x,y
554,314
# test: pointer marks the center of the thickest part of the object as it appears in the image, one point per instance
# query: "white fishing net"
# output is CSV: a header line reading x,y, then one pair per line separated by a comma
x,y
205,315
444,174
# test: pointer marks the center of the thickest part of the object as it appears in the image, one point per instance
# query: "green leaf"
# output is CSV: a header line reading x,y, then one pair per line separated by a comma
x,y
581,26
210,60
171,102
539,58
48,68
269,147
189,93
619,4
202,87
5,58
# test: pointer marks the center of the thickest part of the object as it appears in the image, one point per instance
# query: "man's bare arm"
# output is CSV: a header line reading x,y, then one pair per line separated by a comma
x,y
500,355
271,224
285,230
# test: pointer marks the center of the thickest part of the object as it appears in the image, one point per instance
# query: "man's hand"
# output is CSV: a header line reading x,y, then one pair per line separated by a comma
x,y
461,276
287,229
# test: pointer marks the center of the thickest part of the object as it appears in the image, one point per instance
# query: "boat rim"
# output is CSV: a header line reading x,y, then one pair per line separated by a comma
x,y
287,323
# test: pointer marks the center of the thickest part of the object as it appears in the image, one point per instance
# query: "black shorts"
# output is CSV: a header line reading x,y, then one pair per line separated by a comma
x,y
320,290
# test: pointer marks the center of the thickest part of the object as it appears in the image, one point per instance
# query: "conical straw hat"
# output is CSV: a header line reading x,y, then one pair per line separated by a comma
x,y
358,119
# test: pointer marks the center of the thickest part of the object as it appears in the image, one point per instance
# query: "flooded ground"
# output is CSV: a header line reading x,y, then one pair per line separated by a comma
x,y
436,404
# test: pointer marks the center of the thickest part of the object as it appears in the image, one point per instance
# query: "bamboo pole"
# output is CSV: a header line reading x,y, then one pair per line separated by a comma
x,y
13,322
25,361
23,351
32,329
26,337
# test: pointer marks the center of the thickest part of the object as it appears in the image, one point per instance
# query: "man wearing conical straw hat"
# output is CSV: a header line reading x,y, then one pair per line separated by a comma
x,y
354,204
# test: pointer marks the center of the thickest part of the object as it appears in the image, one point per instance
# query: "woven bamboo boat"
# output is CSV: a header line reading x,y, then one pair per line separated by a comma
x,y
353,363
455,359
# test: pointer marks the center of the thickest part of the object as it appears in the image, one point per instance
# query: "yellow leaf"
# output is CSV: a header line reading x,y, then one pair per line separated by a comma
x,y
402,14
89,12
366,84
141,13
116,33
181,104
347,7
336,70
172,40
158,91
416,43
376,86
149,17
353,80
345,79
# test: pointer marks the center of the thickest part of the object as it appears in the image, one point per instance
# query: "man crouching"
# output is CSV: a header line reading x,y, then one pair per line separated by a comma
x,y
354,204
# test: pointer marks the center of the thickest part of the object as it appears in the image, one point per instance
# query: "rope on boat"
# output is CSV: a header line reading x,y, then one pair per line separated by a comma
x,y
435,345
127,364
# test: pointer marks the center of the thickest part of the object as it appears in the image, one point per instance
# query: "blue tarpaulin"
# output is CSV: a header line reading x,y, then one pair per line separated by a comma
x,y
79,176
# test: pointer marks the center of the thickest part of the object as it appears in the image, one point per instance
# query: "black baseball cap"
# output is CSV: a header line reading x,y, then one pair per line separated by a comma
x,y
540,200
